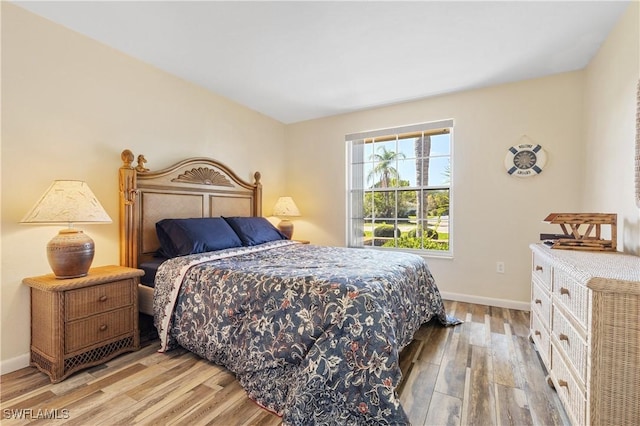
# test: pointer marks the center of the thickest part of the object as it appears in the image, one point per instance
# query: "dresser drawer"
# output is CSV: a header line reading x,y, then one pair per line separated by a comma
x,y
569,341
92,300
542,339
572,295
569,391
541,303
541,270
98,328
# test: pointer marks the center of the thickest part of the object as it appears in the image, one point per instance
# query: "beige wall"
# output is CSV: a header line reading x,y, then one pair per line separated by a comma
x,y
585,120
69,107
495,216
609,126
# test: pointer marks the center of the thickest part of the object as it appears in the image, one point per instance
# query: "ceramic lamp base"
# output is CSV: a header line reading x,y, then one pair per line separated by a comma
x,y
70,254
286,227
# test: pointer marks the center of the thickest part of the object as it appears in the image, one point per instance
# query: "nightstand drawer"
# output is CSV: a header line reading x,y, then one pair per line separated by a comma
x,y
97,329
92,300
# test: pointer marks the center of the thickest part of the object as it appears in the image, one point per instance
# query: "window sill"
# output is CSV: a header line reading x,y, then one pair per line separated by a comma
x,y
423,253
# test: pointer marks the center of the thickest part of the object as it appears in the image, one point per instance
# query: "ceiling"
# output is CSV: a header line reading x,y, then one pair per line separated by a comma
x,y
299,60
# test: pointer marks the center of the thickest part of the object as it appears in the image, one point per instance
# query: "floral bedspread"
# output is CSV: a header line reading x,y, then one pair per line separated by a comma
x,y
311,332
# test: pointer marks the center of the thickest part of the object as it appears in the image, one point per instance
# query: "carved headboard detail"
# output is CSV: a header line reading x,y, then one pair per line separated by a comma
x,y
203,176
195,187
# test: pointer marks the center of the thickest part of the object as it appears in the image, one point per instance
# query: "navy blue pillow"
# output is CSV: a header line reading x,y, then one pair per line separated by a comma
x,y
254,230
180,237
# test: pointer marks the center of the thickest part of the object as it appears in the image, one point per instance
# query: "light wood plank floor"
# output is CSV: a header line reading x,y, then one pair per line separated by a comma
x,y
482,372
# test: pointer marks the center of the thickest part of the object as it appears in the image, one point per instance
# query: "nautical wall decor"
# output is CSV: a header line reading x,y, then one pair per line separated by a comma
x,y
525,160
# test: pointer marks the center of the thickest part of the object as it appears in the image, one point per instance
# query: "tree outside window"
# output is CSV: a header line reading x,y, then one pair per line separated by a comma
x,y
400,189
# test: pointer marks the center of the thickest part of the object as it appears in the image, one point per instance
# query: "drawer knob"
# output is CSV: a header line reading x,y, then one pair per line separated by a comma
x,y
103,327
102,298
564,290
564,337
563,383
537,333
539,268
538,301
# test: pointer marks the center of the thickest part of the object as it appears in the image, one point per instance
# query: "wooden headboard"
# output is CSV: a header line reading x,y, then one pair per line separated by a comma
x,y
195,187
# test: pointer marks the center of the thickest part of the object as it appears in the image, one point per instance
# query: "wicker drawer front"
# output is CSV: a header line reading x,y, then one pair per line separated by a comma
x,y
572,395
542,339
541,269
541,303
97,329
573,296
571,343
87,301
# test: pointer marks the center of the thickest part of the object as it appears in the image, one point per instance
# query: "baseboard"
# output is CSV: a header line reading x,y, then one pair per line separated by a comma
x,y
501,303
13,364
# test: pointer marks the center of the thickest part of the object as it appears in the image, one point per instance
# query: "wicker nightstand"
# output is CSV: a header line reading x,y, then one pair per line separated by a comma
x,y
81,322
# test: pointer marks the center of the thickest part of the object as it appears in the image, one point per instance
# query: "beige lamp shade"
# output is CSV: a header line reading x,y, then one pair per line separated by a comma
x,y
67,201
285,207
70,253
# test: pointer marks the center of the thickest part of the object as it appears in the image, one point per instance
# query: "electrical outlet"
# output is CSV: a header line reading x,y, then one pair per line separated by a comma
x,y
500,267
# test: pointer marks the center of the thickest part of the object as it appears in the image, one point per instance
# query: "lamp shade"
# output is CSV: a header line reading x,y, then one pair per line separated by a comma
x,y
67,201
285,207
70,253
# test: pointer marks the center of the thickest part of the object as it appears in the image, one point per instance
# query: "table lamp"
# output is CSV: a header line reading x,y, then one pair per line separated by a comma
x,y
285,207
70,253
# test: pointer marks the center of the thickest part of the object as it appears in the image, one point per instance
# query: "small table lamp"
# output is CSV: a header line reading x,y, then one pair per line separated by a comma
x,y
285,208
70,253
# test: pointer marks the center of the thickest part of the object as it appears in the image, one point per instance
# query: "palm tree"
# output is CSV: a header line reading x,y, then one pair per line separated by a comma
x,y
385,162
423,150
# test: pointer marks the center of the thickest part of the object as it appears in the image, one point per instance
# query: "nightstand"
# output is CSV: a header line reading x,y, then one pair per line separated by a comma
x,y
80,322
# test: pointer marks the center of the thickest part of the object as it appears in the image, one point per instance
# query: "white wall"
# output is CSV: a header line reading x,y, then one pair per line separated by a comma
x,y
495,216
611,85
69,107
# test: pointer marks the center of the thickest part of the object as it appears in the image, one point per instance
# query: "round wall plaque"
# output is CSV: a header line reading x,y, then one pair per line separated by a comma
x,y
525,160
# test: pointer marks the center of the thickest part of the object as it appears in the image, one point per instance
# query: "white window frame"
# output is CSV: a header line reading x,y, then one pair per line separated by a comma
x,y
355,143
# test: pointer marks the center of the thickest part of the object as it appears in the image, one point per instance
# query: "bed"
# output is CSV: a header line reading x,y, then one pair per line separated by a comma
x,y
312,333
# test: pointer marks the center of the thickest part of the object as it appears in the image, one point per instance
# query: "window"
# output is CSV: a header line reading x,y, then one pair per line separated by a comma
x,y
399,187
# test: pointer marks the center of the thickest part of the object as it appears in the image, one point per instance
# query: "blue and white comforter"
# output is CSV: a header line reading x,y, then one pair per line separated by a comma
x,y
312,333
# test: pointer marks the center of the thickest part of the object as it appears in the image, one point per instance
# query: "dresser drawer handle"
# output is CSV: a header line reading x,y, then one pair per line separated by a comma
x,y
538,302
539,268
564,291
564,337
103,327
102,298
563,383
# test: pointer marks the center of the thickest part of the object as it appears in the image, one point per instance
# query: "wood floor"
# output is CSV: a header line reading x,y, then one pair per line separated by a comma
x,y
482,372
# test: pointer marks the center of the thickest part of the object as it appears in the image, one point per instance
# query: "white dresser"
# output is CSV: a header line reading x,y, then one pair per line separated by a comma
x,y
585,323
